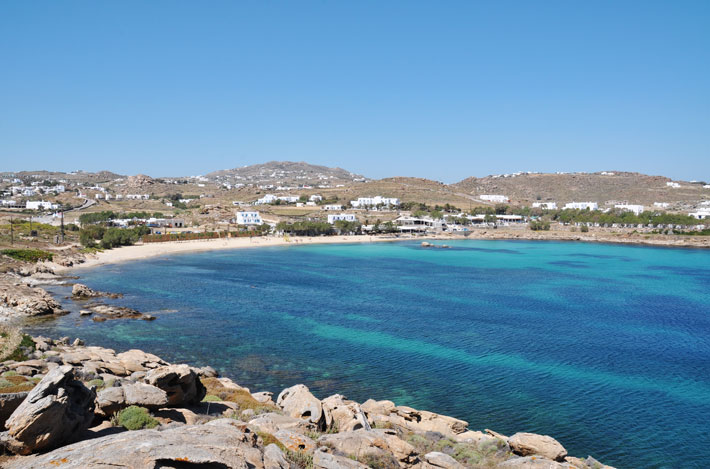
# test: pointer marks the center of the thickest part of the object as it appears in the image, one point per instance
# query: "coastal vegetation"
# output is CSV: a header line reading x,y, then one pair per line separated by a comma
x,y
135,418
28,255
306,228
110,237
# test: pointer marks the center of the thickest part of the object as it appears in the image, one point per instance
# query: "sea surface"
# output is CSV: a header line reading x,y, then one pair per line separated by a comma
x,y
604,347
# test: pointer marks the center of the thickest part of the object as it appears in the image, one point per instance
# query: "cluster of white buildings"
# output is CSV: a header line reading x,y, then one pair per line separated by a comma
x,y
365,202
636,209
41,205
545,205
674,185
582,206
271,198
502,199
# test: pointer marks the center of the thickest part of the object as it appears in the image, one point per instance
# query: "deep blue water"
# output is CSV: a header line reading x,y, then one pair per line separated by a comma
x,y
604,347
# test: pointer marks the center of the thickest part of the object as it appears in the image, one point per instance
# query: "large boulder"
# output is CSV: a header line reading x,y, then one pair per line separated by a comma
x,y
533,462
274,458
111,400
343,415
294,441
324,460
421,421
377,444
442,460
219,443
8,403
79,290
298,402
528,444
180,382
55,411
272,422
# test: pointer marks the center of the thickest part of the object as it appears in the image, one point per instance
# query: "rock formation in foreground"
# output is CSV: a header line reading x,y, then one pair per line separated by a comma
x,y
76,404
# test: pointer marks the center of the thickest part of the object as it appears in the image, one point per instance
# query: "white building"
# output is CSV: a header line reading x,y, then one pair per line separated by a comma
x,y
637,209
341,216
494,198
137,196
702,214
267,199
661,204
332,207
363,202
289,199
41,205
582,206
674,185
545,205
248,218
315,198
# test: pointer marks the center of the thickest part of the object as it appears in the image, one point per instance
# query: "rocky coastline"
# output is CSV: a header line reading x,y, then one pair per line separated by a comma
x,y
67,404
69,401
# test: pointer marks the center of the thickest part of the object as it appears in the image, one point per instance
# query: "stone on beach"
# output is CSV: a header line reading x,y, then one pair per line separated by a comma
x,y
180,382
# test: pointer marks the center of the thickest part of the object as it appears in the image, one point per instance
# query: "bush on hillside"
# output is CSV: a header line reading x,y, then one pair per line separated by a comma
x,y
28,255
135,418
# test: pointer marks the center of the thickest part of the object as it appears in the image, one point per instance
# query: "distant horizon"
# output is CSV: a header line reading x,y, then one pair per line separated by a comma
x,y
203,173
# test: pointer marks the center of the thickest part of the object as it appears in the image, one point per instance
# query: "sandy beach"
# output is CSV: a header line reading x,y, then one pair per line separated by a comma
x,y
143,251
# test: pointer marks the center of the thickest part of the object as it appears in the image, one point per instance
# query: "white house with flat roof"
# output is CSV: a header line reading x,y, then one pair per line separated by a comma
x,y
494,198
674,185
40,205
315,198
363,202
637,209
702,214
341,216
545,205
332,207
582,206
249,218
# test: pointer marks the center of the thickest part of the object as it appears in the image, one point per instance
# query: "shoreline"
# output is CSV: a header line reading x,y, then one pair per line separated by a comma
x,y
145,251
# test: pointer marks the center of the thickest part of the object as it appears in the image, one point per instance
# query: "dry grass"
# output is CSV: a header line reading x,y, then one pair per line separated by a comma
x,y
239,396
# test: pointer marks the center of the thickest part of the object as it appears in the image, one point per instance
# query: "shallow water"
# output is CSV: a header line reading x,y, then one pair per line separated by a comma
x,y
604,347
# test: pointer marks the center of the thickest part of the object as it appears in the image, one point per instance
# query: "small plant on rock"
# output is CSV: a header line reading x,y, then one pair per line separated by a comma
x,y
135,418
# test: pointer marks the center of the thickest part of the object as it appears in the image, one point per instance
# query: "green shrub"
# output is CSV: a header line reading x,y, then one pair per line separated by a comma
x,y
584,229
301,459
136,418
28,255
539,225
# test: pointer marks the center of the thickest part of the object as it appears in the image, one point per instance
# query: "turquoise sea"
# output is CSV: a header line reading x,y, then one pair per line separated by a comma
x,y
604,347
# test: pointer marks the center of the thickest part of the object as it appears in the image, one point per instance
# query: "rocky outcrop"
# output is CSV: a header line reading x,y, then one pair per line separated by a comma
x,y
218,444
528,444
180,383
387,414
81,292
57,409
533,462
298,402
406,437
104,312
343,415
380,444
21,300
8,403
111,400
325,460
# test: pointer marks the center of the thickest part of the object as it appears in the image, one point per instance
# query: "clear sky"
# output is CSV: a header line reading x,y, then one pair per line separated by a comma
x,y
442,90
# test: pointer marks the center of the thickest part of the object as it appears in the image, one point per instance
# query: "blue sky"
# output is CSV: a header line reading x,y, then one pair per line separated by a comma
x,y
442,90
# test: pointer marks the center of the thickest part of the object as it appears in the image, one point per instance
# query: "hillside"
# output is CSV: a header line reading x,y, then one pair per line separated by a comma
x,y
603,188
285,173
